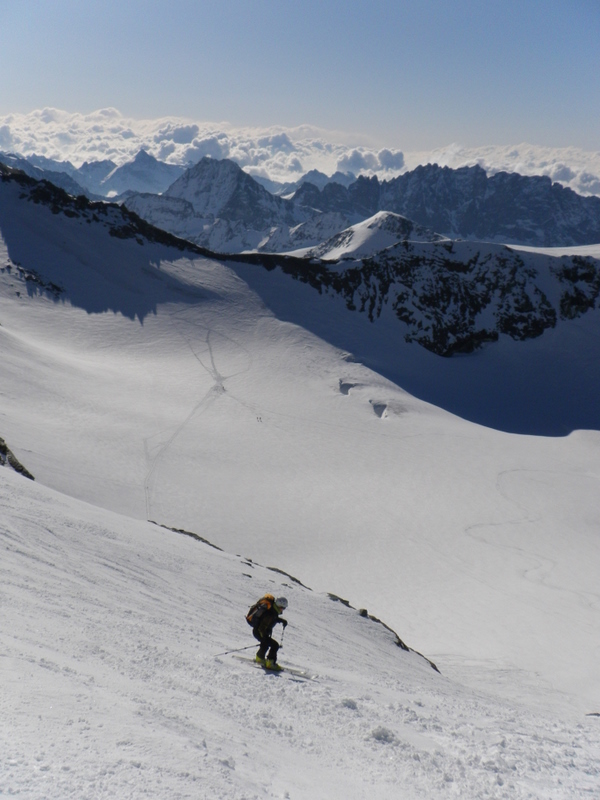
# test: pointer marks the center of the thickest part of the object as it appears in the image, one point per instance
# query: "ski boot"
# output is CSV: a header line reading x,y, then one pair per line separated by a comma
x,y
273,665
260,660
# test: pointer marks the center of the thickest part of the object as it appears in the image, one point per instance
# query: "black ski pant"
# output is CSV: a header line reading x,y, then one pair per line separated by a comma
x,y
267,643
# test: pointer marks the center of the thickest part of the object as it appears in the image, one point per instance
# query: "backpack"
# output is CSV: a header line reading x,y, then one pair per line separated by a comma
x,y
257,611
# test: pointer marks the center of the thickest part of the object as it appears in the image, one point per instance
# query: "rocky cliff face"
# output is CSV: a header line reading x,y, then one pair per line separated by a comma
x,y
453,297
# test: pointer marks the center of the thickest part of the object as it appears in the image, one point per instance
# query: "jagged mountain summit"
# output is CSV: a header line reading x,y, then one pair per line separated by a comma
x,y
314,176
144,174
466,203
222,189
217,205
229,211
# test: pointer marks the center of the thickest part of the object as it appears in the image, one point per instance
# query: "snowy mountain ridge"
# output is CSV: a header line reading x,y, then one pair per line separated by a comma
x,y
63,178
461,203
116,218
371,236
450,297
456,296
466,203
98,179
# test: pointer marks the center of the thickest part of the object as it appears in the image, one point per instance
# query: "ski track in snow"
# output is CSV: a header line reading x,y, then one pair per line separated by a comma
x,y
538,562
542,572
210,396
188,327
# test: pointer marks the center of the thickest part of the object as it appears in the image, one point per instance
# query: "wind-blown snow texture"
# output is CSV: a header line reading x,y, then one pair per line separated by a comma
x,y
111,687
151,381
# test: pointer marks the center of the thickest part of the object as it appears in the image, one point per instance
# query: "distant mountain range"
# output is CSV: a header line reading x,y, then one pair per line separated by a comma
x,y
448,296
215,204
60,173
98,179
466,203
314,176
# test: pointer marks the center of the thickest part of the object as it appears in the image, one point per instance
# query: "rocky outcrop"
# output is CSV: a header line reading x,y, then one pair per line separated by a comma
x,y
454,297
7,457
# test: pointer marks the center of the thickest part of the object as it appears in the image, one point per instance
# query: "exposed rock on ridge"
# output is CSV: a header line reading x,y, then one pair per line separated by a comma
x,y
453,297
8,457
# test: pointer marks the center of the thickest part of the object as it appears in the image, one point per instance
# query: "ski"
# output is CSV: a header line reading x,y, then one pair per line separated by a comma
x,y
298,673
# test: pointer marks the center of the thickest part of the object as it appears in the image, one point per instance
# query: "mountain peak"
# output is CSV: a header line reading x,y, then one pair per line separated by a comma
x,y
219,188
144,157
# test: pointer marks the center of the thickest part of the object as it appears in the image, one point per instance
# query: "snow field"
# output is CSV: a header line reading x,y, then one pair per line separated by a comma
x,y
207,397
164,388
111,687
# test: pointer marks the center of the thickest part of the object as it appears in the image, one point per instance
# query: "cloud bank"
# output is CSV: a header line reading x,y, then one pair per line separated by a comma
x,y
282,154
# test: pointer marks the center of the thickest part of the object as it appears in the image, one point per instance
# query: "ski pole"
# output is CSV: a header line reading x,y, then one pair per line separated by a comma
x,y
239,649
282,632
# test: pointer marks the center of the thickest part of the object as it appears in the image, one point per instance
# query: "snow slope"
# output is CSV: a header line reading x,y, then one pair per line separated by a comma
x,y
592,250
112,686
163,385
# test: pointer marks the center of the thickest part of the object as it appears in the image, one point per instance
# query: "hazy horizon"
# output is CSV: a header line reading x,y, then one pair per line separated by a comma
x,y
402,76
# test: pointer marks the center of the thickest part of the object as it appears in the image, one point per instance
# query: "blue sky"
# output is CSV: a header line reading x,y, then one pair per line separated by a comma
x,y
407,75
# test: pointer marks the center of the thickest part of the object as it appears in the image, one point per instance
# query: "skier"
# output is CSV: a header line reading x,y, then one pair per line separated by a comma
x,y
263,616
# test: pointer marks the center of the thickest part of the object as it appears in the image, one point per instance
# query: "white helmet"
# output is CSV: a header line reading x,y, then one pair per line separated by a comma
x,y
281,603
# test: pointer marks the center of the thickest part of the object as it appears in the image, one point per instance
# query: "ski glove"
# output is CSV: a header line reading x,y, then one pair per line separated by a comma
x,y
283,622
